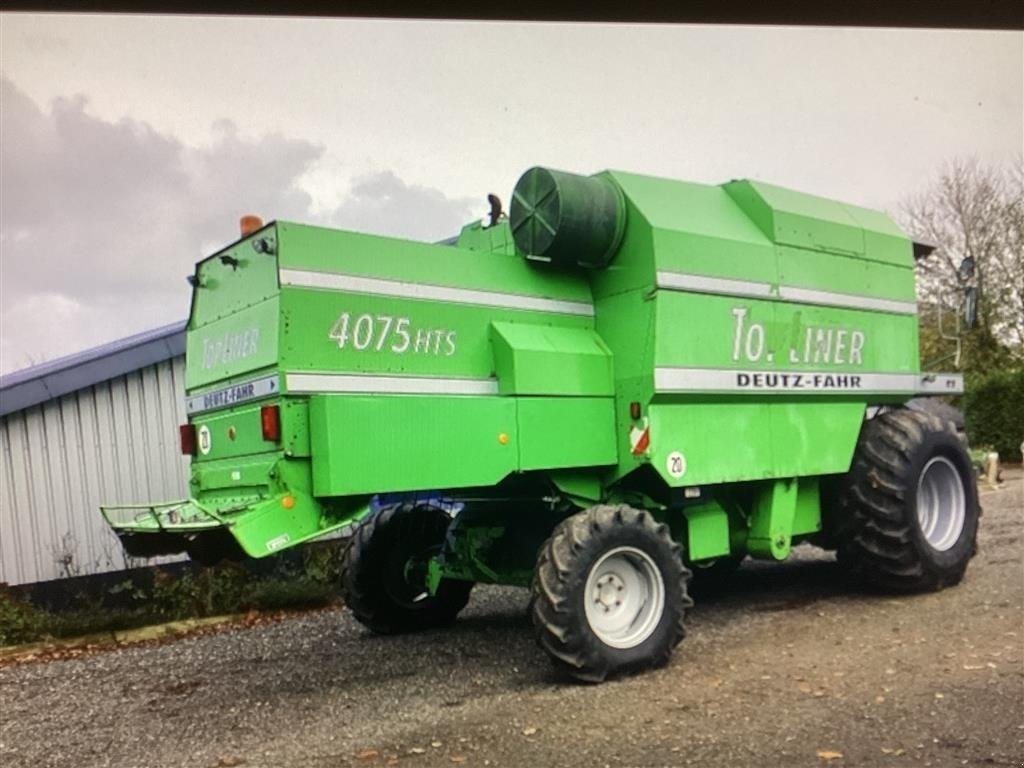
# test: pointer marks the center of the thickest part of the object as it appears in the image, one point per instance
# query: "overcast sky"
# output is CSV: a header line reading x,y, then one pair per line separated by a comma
x,y
130,145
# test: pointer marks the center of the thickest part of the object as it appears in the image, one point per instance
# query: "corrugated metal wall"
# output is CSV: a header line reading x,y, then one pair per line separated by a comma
x,y
113,442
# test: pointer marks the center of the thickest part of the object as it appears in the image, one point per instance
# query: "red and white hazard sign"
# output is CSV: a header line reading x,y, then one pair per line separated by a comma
x,y
639,439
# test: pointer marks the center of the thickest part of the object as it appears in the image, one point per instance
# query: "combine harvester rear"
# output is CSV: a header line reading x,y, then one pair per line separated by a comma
x,y
625,379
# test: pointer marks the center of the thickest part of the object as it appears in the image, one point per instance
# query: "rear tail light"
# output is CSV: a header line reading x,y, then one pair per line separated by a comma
x,y
187,432
270,419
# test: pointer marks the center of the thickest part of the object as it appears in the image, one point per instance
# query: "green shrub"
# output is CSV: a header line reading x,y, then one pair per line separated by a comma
x,y
19,622
203,592
994,410
321,561
308,581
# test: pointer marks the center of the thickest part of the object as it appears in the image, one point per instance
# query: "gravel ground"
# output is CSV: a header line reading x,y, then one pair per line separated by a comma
x,y
783,665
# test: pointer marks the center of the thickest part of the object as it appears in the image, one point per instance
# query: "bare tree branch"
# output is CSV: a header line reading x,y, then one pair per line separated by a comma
x,y
975,210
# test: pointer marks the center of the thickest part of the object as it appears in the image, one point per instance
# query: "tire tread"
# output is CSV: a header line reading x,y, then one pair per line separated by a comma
x,y
873,525
559,573
361,589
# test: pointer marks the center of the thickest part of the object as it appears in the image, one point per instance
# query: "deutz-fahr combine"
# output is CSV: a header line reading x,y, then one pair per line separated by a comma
x,y
622,381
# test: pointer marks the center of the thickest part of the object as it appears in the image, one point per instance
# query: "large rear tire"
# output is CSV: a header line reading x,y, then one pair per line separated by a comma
x,y
907,516
609,593
383,571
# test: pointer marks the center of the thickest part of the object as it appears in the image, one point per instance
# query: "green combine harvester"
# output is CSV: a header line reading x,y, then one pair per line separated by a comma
x,y
625,380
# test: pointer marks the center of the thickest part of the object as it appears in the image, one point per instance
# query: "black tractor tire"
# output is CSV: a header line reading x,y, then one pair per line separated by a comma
x,y
383,571
581,544
879,535
953,417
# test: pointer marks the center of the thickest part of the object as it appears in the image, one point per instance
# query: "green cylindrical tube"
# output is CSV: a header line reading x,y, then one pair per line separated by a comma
x,y
567,219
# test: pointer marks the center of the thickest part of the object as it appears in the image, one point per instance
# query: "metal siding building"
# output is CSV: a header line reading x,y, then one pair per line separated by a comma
x,y
96,427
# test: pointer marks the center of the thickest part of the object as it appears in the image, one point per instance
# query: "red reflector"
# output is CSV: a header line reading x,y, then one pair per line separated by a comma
x,y
187,432
270,418
634,410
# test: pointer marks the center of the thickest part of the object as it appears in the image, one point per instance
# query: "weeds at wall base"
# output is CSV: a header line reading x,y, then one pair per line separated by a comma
x,y
307,579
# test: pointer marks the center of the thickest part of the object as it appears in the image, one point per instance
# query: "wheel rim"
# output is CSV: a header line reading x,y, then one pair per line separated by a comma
x,y
941,503
400,580
624,597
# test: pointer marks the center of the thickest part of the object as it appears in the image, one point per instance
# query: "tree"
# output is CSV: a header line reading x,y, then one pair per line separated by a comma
x,y
973,210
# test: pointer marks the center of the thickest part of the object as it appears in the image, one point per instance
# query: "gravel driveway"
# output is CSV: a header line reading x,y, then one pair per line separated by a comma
x,y
784,665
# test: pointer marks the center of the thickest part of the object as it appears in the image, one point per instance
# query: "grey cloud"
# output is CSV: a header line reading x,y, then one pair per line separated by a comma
x,y
383,202
101,221
97,211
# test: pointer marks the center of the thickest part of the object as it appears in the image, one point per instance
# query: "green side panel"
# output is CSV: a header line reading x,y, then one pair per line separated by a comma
x,y
625,322
388,258
797,219
884,241
814,438
244,475
342,328
533,359
556,432
295,426
401,336
811,338
230,432
369,444
347,330
226,287
807,518
684,252
720,442
725,440
496,239
805,221
696,330
702,209
803,268
710,331
707,527
697,228
293,475
243,341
